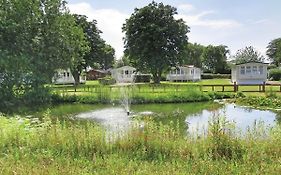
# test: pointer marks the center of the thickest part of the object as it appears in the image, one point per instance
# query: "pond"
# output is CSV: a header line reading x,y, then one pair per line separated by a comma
x,y
189,117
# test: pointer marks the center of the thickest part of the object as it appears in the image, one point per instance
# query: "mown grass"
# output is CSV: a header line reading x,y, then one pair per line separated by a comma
x,y
33,147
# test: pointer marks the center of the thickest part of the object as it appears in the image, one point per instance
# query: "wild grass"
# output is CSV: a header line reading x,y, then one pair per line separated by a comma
x,y
143,93
34,147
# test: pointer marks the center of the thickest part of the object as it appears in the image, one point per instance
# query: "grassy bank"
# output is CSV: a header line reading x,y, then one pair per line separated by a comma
x,y
264,102
140,98
33,147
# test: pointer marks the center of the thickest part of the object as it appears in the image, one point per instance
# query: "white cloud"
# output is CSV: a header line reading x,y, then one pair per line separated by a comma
x,y
186,7
261,21
109,21
200,20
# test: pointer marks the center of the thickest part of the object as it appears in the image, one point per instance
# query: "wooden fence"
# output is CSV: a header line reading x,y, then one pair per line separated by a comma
x,y
243,87
173,88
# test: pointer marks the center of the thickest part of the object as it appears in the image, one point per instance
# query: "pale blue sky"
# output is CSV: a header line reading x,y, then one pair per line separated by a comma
x,y
235,23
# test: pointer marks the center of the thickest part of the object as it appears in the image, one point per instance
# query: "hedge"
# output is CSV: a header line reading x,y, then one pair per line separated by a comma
x,y
275,74
216,76
144,78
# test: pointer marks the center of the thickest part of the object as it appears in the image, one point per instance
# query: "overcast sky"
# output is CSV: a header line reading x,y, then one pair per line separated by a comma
x,y
234,23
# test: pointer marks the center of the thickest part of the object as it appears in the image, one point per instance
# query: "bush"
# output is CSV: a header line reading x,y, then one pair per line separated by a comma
x,y
275,74
107,81
216,76
143,78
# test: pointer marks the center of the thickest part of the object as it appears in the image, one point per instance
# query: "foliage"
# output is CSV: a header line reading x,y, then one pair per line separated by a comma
x,y
142,78
222,143
99,54
193,54
154,39
36,39
271,101
124,61
214,58
275,74
108,80
274,51
215,76
248,54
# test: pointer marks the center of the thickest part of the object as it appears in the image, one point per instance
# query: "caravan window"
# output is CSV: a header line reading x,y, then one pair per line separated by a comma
x,y
242,70
261,70
255,70
248,70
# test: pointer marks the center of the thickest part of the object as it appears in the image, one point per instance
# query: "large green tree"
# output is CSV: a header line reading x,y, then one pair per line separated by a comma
x,y
36,38
193,54
154,39
214,58
274,51
100,54
248,54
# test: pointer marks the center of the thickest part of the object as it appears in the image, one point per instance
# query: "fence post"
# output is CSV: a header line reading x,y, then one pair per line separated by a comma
x,y
235,89
213,88
263,87
223,88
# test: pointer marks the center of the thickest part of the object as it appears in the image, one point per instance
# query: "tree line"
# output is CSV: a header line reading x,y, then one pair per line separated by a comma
x,y
38,37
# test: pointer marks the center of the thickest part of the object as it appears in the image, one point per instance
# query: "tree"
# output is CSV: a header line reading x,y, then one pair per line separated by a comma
x,y
154,39
214,58
36,38
124,61
248,54
99,54
107,58
193,54
274,51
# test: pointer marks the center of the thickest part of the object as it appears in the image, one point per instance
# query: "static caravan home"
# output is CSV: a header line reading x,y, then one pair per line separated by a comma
x,y
184,73
123,74
249,73
65,77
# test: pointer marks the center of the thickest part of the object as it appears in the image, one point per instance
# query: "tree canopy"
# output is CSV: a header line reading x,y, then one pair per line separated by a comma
x,y
248,54
36,38
274,51
214,58
193,54
154,39
100,54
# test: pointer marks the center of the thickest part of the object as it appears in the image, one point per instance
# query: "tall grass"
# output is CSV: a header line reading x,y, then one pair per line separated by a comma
x,y
29,146
144,95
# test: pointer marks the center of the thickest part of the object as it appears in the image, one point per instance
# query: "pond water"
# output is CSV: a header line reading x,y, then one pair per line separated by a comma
x,y
189,117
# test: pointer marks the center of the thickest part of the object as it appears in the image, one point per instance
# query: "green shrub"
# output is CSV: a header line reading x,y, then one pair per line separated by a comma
x,y
143,78
107,80
216,76
275,74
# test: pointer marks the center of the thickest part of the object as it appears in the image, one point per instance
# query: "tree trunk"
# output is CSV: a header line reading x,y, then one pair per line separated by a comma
x,y
76,76
156,77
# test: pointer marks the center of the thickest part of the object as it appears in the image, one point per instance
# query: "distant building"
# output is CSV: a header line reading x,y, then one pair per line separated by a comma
x,y
123,74
65,77
184,73
95,74
249,73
